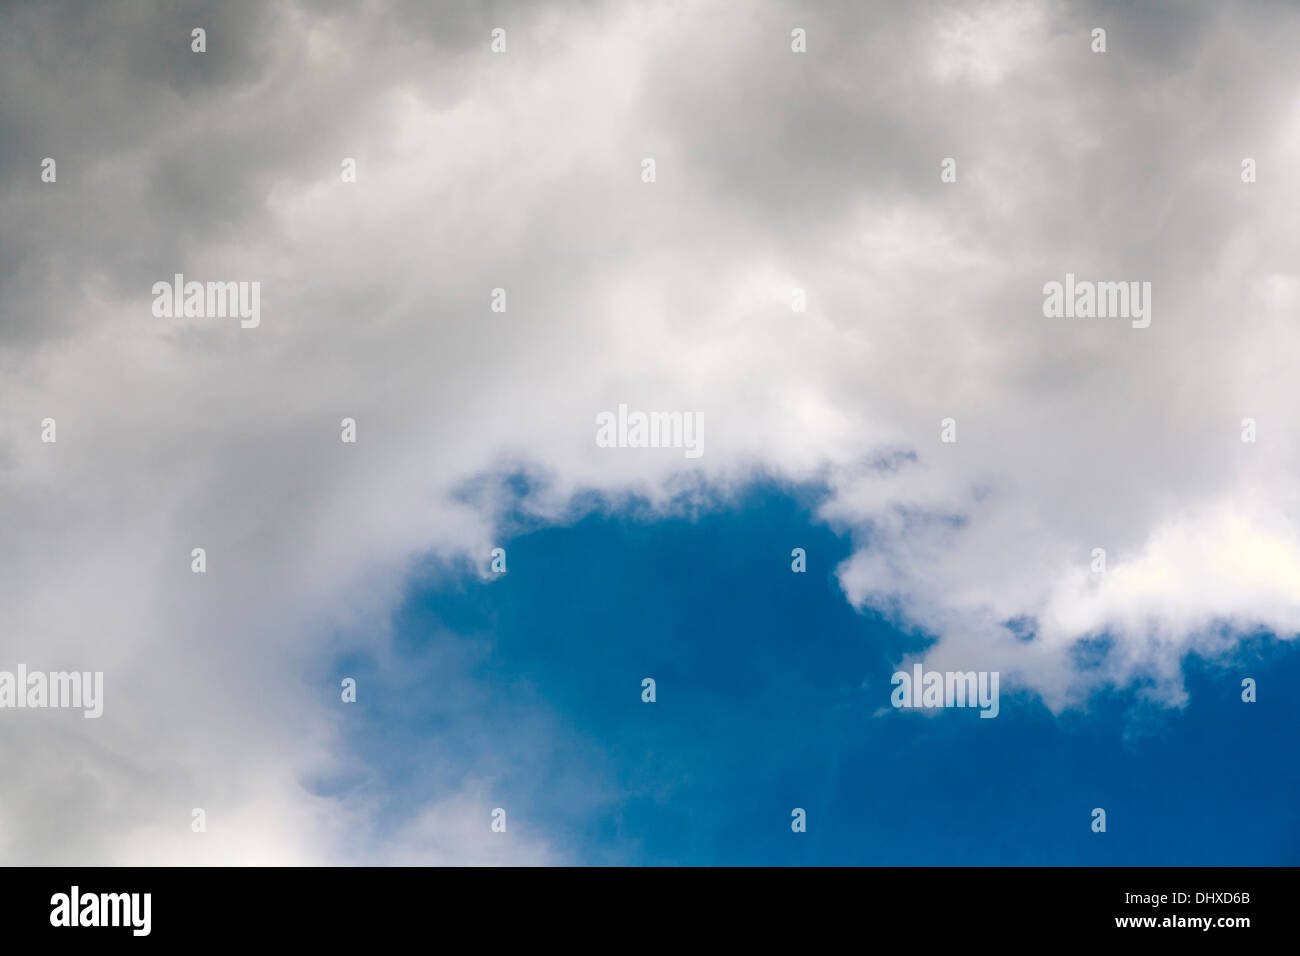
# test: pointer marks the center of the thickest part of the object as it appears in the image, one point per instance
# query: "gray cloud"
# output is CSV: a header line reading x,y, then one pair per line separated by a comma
x,y
775,170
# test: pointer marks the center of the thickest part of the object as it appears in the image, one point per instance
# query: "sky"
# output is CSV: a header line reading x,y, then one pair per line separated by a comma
x,y
779,177
795,715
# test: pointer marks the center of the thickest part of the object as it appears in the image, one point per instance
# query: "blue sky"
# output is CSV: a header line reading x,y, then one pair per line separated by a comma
x,y
769,696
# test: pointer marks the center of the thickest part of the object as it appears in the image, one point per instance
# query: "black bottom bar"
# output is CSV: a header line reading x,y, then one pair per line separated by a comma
x,y
671,906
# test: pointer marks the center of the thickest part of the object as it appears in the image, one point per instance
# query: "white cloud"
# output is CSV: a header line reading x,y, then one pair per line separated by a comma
x,y
522,171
